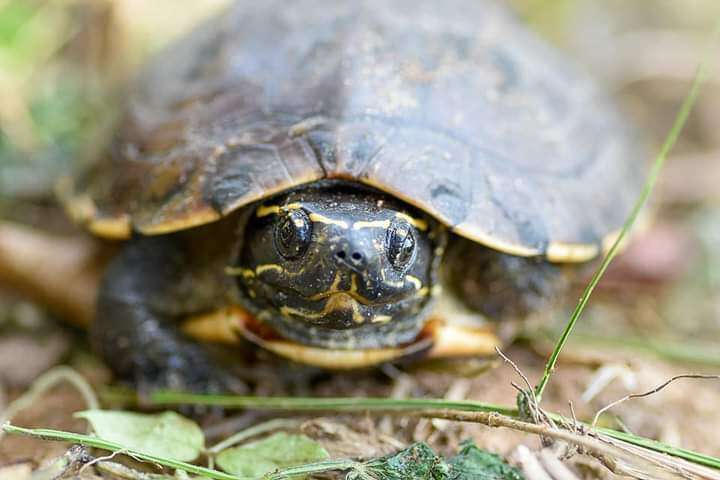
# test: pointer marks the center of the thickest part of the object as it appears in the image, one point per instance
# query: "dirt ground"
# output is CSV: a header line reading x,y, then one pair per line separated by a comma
x,y
656,314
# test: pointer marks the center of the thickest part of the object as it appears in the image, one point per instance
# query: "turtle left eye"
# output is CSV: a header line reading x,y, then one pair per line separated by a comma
x,y
400,244
293,233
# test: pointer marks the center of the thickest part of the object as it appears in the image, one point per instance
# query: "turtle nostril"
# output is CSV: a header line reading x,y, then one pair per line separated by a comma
x,y
340,254
357,256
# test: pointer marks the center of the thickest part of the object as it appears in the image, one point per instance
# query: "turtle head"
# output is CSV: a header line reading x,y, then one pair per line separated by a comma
x,y
339,267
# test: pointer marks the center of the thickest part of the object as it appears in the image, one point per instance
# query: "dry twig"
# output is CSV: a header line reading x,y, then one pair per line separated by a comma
x,y
650,392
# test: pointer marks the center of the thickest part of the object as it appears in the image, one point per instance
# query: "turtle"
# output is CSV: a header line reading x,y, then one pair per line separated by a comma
x,y
311,175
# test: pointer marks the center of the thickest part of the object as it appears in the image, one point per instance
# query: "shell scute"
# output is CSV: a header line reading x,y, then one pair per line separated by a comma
x,y
457,109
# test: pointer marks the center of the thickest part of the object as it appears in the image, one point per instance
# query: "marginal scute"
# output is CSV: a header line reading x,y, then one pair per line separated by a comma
x,y
239,167
447,196
112,228
462,113
357,145
571,253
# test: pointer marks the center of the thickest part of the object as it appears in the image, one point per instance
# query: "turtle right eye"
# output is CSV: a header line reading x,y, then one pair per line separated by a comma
x,y
293,233
400,245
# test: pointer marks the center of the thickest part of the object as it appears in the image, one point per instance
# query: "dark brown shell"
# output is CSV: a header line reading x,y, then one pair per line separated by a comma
x,y
452,106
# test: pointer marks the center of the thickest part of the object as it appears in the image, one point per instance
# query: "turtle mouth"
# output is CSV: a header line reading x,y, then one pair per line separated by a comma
x,y
340,319
270,339
341,309
353,294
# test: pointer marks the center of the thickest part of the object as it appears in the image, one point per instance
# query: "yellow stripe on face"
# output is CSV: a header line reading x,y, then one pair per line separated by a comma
x,y
265,210
239,271
418,223
267,267
337,302
373,224
316,217
417,283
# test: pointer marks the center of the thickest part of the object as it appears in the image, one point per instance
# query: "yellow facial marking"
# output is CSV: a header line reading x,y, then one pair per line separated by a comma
x,y
417,283
415,222
333,289
267,267
336,302
374,224
265,210
316,217
391,283
239,271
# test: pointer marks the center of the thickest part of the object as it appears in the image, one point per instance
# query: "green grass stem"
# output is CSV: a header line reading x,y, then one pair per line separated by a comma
x,y
359,405
670,140
350,405
90,441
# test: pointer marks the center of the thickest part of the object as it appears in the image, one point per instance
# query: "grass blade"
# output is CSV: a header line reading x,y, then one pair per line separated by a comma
x,y
670,140
95,442
407,406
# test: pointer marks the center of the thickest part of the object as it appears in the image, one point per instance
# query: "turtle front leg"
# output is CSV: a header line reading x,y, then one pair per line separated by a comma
x,y
502,286
145,292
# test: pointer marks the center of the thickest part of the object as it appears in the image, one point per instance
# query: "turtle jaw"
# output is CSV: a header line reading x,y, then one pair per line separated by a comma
x,y
343,320
439,338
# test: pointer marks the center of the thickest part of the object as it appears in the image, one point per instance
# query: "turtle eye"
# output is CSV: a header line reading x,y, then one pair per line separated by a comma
x,y
293,232
400,244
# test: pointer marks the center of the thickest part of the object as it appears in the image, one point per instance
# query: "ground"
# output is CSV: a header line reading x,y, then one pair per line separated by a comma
x,y
656,314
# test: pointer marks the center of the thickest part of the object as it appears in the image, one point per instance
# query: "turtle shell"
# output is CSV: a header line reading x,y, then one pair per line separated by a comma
x,y
451,106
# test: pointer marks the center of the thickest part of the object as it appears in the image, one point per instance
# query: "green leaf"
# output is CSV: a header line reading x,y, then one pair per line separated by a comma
x,y
279,450
417,462
471,462
166,434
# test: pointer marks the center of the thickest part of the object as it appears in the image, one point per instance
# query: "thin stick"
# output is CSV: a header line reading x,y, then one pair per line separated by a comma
x,y
405,406
648,393
599,445
515,367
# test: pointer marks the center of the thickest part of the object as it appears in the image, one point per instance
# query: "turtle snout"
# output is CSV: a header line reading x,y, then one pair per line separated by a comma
x,y
354,258
353,254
